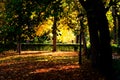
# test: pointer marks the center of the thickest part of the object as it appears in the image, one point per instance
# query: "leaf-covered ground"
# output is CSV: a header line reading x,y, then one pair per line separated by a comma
x,y
46,66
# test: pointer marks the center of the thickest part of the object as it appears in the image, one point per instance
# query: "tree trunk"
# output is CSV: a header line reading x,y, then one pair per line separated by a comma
x,y
80,51
118,33
54,33
83,35
114,14
84,45
19,45
77,41
99,36
19,48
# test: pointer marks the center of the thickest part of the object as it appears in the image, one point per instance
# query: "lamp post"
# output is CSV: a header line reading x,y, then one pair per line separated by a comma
x,y
80,16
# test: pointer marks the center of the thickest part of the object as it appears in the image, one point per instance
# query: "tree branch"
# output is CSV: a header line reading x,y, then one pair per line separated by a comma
x,y
111,3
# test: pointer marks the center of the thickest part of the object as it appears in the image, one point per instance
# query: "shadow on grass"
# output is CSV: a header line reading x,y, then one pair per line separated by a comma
x,y
47,68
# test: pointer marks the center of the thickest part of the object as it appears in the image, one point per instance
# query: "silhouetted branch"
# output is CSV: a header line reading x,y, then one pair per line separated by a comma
x,y
83,3
111,3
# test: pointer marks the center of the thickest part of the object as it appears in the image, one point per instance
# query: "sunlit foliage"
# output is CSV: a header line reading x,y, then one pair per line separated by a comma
x,y
44,27
64,33
39,14
67,23
110,20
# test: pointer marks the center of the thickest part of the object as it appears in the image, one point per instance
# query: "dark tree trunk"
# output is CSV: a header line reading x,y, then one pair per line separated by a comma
x,y
80,51
19,48
83,35
54,28
84,45
99,36
19,45
54,33
114,14
118,33
77,41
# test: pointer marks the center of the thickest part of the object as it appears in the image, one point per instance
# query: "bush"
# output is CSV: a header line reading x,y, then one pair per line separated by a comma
x,y
7,46
115,49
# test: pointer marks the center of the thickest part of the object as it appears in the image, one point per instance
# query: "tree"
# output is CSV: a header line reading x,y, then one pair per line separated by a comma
x,y
20,20
4,30
118,16
118,33
56,12
51,9
114,14
99,36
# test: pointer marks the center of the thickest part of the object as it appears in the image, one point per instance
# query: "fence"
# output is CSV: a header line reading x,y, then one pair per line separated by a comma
x,y
49,46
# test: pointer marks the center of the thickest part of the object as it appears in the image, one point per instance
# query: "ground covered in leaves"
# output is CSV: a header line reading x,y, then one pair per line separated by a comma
x,y
46,66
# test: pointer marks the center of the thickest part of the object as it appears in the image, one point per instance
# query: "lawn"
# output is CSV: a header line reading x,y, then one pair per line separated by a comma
x,y
46,66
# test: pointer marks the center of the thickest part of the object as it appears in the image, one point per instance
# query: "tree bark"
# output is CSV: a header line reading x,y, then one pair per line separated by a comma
x,y
118,33
83,35
19,45
114,14
19,48
80,51
77,41
99,36
54,33
84,45
54,28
